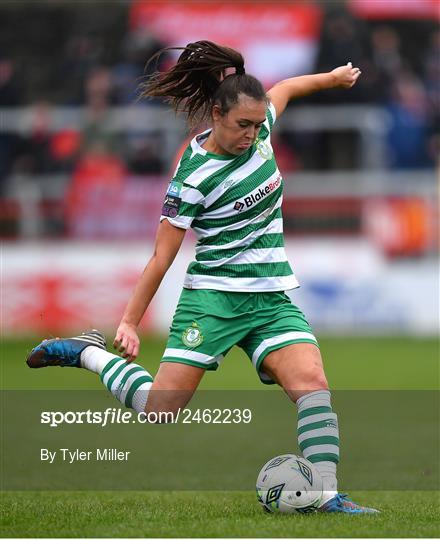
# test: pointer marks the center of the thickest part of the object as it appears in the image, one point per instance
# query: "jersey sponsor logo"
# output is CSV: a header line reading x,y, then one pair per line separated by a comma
x,y
257,196
171,206
264,149
192,336
174,188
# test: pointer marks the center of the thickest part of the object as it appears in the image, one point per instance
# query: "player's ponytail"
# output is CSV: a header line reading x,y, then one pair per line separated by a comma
x,y
199,80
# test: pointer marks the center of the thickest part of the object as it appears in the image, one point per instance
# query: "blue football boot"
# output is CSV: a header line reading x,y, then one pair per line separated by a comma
x,y
341,503
64,352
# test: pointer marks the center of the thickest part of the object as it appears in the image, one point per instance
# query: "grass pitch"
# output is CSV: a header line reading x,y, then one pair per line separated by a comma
x,y
387,363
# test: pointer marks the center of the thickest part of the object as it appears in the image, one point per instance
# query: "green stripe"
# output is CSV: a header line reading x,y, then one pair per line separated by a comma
x,y
313,410
316,458
109,366
188,166
115,374
130,372
264,132
314,425
254,211
215,179
257,270
272,240
313,441
269,118
190,210
246,185
224,237
134,386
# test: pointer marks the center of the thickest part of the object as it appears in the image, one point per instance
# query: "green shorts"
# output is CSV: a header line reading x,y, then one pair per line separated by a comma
x,y
208,323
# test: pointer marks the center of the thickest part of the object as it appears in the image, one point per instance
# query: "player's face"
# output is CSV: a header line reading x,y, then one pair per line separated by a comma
x,y
235,131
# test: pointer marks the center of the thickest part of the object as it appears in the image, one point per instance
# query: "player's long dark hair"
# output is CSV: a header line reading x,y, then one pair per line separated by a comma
x,y
199,80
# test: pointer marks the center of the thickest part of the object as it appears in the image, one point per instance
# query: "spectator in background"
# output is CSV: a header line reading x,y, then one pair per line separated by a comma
x,y
386,62
407,136
130,70
342,38
144,154
97,171
10,91
82,54
431,71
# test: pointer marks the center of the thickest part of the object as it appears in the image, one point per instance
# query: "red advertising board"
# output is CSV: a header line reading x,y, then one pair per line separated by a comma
x,y
277,39
396,9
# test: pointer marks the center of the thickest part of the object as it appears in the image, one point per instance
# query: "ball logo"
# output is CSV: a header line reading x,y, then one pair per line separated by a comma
x,y
192,336
305,471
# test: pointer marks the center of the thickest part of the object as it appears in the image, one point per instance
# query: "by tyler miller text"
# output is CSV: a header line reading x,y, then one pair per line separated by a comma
x,y
75,455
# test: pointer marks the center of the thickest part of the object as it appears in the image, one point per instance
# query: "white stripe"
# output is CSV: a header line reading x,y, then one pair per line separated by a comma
x,y
182,222
319,432
127,385
191,195
201,173
316,418
203,233
274,227
251,256
191,355
277,340
263,284
320,449
112,370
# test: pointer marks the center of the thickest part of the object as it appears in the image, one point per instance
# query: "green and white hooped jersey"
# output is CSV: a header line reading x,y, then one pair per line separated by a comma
x,y
234,207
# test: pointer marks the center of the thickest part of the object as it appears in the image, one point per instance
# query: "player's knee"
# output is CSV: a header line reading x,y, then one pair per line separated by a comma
x,y
309,379
314,379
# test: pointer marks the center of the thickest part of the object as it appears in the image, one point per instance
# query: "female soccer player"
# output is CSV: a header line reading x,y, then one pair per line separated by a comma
x,y
227,187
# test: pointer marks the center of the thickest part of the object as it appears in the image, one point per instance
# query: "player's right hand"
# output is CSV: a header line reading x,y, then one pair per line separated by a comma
x,y
127,341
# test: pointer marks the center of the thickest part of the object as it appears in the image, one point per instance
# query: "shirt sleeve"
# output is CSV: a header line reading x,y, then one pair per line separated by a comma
x,y
182,204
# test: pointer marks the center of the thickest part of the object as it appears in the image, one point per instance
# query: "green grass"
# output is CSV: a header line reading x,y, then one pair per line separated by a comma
x,y
351,364
207,514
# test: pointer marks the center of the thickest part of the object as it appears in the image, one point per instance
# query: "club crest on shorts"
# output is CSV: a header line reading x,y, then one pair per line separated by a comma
x,y
264,149
192,336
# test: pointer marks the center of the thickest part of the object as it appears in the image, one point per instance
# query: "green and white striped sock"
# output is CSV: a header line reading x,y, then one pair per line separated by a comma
x,y
129,383
318,436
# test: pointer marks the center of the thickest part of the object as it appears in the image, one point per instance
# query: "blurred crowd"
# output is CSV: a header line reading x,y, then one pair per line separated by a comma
x,y
99,64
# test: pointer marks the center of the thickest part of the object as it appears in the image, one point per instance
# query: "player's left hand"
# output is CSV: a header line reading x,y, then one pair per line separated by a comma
x,y
345,76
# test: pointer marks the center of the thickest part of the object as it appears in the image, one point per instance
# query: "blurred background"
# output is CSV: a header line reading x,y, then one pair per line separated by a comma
x,y
84,165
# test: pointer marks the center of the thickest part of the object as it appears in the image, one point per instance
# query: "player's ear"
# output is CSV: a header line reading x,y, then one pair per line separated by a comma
x,y
216,113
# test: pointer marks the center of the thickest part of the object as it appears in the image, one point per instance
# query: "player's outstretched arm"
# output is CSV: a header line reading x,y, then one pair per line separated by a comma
x,y
284,91
168,241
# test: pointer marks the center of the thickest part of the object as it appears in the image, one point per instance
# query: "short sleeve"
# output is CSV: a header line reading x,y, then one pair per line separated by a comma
x,y
182,204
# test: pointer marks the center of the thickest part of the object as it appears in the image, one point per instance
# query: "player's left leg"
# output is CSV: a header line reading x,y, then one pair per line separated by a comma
x,y
130,383
298,369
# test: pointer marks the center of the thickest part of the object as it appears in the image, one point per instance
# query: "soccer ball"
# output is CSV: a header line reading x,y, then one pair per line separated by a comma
x,y
289,484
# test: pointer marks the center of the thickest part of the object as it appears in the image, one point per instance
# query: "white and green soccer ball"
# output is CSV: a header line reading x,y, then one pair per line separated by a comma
x,y
289,484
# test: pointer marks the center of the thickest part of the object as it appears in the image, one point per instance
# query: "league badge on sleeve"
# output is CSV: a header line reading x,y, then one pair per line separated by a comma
x,y
172,201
